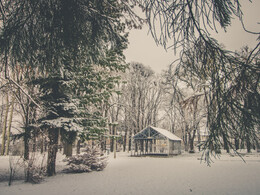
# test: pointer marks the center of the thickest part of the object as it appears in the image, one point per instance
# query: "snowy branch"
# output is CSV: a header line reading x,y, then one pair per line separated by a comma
x,y
17,85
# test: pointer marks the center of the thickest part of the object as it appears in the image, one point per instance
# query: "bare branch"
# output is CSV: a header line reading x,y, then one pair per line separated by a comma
x,y
17,85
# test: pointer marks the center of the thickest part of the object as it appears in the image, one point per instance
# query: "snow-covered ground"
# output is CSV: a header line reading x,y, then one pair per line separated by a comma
x,y
184,174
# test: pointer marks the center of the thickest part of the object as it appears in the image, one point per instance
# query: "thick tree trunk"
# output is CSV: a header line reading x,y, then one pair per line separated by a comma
x,y
111,144
52,151
236,143
65,148
69,138
26,144
226,147
43,143
69,149
191,141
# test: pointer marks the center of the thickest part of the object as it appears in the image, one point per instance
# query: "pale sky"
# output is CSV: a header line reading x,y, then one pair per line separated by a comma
x,y
143,49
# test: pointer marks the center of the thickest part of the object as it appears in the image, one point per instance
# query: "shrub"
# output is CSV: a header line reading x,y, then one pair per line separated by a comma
x,y
91,160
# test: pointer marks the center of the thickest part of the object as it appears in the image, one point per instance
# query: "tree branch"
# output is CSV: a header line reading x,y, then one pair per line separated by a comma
x,y
17,85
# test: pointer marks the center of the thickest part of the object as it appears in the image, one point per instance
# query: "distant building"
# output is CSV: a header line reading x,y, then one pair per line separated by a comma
x,y
156,141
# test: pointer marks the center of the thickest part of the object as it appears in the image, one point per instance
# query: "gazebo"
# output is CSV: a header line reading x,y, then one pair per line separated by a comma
x,y
156,141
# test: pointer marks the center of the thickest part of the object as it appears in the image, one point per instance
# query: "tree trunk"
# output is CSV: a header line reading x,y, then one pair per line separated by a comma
x,y
64,148
115,144
78,146
52,151
226,147
111,144
199,138
130,144
126,135
248,144
9,126
191,141
111,138
69,150
236,143
102,142
27,131
34,145
186,146
34,133
42,144
4,126
26,138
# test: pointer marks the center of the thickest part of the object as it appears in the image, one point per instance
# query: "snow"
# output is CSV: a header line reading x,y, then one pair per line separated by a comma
x,y
183,174
167,134
163,132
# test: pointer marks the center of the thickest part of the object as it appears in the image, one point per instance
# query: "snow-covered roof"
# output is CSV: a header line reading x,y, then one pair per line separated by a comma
x,y
156,133
166,133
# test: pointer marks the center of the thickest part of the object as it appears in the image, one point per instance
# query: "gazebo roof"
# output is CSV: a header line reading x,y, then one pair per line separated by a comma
x,y
151,132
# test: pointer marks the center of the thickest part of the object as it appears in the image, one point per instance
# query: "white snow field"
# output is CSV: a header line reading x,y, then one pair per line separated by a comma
x,y
183,174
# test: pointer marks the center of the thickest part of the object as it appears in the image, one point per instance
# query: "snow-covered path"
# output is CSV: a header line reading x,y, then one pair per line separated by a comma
x,y
182,174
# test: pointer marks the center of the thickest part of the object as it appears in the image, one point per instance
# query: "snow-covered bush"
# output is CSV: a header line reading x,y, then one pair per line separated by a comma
x,y
35,170
91,160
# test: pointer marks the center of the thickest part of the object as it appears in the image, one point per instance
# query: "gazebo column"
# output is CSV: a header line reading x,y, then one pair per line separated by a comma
x,y
142,146
139,147
154,146
136,149
146,146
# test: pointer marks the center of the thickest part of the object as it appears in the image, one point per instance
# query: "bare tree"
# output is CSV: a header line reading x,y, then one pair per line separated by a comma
x,y
139,102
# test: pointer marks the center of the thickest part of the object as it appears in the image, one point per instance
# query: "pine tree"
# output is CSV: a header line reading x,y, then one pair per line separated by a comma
x,y
69,43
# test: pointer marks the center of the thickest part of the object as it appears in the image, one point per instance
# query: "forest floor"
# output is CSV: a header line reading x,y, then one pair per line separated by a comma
x,y
183,174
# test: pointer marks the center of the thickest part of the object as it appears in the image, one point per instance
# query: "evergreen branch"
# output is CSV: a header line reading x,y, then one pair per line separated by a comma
x,y
248,31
